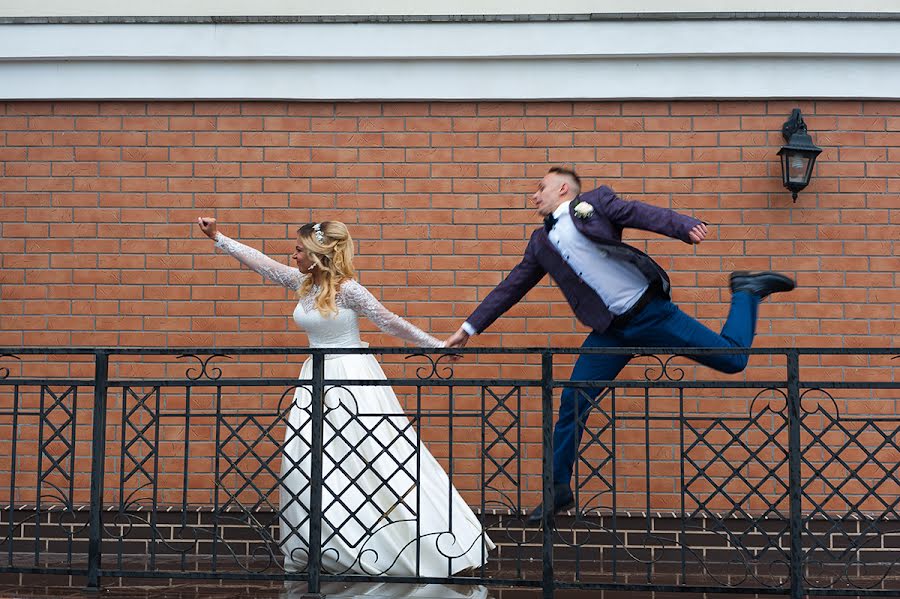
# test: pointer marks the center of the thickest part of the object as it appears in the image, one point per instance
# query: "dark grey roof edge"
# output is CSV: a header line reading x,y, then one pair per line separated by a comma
x,y
516,18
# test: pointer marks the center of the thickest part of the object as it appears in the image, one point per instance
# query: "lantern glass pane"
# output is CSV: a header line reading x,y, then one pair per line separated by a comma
x,y
797,168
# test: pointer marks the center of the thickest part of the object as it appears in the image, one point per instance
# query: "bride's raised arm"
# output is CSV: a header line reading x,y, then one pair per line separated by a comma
x,y
255,260
357,298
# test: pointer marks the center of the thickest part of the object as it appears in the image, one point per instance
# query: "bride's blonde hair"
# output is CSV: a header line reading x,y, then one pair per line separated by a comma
x,y
329,246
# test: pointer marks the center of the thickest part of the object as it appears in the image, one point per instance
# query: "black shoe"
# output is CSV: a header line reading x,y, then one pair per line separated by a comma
x,y
760,284
562,501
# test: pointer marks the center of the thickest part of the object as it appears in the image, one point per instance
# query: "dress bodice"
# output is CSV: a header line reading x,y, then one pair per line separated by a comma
x,y
340,330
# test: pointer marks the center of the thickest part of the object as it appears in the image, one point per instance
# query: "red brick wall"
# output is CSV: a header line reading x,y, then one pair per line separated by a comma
x,y
98,203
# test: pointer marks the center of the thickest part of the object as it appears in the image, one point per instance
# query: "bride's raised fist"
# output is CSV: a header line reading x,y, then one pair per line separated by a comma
x,y
208,226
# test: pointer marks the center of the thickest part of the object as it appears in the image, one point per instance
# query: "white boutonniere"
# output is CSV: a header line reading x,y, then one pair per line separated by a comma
x,y
583,210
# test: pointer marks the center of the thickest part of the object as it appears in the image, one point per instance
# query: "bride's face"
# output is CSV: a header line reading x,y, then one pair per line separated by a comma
x,y
301,257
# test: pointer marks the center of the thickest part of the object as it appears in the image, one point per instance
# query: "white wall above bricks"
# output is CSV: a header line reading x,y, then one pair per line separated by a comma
x,y
548,60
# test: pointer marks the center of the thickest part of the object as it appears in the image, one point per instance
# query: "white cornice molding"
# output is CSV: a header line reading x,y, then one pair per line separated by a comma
x,y
368,41
171,8
453,61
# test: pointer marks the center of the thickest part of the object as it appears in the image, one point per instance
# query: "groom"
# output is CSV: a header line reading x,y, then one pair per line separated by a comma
x,y
616,290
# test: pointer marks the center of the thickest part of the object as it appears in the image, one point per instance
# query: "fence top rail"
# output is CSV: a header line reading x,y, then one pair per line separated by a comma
x,y
681,351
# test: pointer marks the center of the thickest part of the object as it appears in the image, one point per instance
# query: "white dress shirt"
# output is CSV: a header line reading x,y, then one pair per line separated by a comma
x,y
618,283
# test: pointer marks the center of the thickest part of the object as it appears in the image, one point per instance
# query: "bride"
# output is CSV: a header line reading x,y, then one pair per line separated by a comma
x,y
384,496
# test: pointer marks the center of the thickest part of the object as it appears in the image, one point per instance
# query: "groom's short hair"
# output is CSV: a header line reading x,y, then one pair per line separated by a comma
x,y
569,174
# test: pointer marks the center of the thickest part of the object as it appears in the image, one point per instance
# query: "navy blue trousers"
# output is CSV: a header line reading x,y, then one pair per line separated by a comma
x,y
660,324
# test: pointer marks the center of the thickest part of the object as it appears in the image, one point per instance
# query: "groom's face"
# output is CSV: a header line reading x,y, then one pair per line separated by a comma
x,y
549,194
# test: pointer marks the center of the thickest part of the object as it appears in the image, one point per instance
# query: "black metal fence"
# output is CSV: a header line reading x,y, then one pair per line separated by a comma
x,y
178,464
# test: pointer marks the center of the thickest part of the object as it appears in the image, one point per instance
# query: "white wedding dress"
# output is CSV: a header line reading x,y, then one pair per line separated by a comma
x,y
384,495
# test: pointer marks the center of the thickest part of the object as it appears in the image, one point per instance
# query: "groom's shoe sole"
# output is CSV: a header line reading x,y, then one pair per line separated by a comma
x,y
761,284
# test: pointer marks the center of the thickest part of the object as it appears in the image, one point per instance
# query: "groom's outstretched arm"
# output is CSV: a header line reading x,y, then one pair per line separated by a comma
x,y
507,294
640,215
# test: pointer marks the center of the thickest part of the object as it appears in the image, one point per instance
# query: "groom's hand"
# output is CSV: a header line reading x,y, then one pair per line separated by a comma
x,y
698,233
457,339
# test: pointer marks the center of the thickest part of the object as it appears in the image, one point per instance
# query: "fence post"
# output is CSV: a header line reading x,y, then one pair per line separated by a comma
x,y
314,565
98,467
794,475
547,471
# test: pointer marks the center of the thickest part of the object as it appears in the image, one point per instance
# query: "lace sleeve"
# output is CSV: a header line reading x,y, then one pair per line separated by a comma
x,y
357,298
271,269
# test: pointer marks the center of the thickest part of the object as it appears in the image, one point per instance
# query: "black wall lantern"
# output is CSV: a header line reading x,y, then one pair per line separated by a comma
x,y
799,155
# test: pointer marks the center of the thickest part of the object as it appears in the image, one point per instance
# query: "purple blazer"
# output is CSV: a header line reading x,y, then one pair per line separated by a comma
x,y
604,227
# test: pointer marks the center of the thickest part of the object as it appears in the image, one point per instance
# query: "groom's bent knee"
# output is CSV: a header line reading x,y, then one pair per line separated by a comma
x,y
735,363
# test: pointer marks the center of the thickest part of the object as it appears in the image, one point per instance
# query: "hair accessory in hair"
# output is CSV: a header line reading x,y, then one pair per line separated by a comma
x,y
320,237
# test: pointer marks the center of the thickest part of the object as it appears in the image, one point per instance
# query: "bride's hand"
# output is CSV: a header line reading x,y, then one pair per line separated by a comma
x,y
208,226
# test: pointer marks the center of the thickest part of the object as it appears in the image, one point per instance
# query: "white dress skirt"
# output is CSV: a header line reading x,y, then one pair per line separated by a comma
x,y
385,590
384,498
